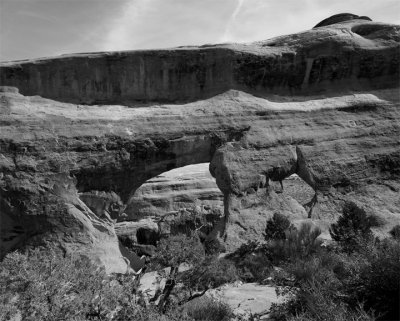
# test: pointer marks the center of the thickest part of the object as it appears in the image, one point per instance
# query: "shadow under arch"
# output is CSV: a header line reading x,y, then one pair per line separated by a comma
x,y
184,200
132,163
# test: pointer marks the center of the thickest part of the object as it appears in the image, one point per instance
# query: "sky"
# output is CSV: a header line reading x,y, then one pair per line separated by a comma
x,y
44,28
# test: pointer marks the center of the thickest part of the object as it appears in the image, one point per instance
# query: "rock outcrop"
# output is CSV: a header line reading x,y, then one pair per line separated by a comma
x,y
329,60
323,104
106,205
341,17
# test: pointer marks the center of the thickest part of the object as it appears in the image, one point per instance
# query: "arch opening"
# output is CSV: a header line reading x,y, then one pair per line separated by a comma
x,y
179,201
297,189
175,190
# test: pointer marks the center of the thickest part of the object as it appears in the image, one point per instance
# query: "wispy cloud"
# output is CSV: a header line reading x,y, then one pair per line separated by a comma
x,y
35,28
227,36
122,28
150,24
36,15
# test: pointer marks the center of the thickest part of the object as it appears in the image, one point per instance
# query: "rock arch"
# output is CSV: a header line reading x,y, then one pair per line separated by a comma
x,y
322,103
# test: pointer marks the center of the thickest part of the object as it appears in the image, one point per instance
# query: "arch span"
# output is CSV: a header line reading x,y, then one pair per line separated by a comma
x,y
123,169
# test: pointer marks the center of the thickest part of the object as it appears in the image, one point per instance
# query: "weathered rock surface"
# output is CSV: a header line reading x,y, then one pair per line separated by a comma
x,y
323,104
353,55
247,299
187,187
144,231
340,18
106,205
171,203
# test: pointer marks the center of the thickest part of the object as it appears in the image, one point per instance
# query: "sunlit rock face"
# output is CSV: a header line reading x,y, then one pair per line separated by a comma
x,y
322,104
171,203
189,187
355,54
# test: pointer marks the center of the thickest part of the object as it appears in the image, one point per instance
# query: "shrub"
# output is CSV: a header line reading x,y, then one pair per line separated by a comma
x,y
178,249
40,285
47,286
327,281
276,227
172,252
380,280
318,287
352,228
314,304
208,309
299,243
213,247
211,273
395,232
251,261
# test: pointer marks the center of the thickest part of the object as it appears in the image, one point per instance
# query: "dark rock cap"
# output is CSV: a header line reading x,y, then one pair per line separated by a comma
x,y
340,17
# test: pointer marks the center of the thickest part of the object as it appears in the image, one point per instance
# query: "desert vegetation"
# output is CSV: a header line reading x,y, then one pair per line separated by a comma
x,y
356,277
36,285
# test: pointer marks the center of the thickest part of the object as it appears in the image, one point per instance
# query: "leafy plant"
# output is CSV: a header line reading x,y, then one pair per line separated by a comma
x,y
299,243
251,261
208,309
172,252
211,273
379,285
352,229
395,232
213,246
276,227
46,286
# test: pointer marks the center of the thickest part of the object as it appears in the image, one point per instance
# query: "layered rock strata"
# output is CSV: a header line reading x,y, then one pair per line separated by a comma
x,y
189,187
323,104
336,58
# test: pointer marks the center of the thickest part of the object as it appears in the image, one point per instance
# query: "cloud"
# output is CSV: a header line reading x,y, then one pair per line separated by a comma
x,y
123,26
227,36
37,15
150,24
35,28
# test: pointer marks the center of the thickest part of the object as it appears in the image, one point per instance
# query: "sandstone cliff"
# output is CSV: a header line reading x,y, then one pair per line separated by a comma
x,y
323,104
353,55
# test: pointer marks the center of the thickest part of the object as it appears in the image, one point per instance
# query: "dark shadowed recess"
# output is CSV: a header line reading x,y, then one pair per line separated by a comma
x,y
134,162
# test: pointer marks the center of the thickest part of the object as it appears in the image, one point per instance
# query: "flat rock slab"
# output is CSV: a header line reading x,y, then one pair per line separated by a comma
x,y
247,298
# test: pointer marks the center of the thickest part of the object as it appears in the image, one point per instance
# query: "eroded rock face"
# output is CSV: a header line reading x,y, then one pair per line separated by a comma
x,y
106,205
144,231
321,60
323,104
329,161
182,188
46,208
